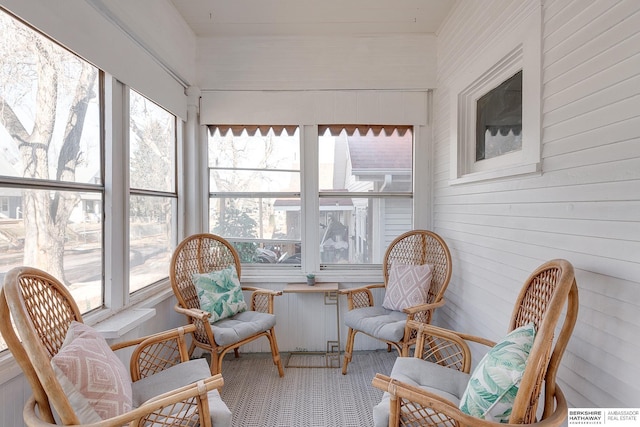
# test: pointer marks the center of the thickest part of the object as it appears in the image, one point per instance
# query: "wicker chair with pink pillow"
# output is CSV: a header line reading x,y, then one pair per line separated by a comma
x,y
75,374
416,270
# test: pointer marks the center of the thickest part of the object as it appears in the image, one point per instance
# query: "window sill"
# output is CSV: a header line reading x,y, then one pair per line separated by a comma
x,y
507,172
123,322
266,278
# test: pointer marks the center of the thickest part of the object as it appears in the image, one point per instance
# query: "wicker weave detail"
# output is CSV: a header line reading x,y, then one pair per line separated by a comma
x,y
534,303
49,310
158,357
443,352
413,414
187,410
260,302
361,299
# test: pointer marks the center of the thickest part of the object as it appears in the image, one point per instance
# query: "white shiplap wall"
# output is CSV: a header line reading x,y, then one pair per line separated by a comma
x,y
585,206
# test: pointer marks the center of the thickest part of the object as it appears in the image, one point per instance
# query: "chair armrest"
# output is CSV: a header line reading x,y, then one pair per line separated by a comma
x,y
477,339
428,408
194,313
360,297
262,299
194,395
424,307
262,291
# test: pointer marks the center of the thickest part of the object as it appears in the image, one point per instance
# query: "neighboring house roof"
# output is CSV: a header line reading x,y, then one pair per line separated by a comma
x,y
390,154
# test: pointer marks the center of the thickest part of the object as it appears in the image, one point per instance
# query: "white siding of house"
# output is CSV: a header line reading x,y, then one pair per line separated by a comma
x,y
585,206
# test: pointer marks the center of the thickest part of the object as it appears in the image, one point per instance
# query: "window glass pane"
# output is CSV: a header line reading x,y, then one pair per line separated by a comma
x,y
263,230
49,109
264,226
151,237
499,120
241,181
358,230
152,148
369,163
65,245
270,151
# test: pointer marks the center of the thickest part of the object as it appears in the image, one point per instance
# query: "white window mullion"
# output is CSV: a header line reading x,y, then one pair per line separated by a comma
x,y
116,194
310,201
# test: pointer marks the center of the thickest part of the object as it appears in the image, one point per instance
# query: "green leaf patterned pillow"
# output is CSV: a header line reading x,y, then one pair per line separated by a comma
x,y
220,293
494,383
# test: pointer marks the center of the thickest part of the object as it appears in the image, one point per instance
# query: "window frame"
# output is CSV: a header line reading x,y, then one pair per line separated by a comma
x,y
140,192
310,195
519,52
264,129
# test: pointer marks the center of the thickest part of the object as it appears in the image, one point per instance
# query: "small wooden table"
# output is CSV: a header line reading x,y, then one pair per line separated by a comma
x,y
330,290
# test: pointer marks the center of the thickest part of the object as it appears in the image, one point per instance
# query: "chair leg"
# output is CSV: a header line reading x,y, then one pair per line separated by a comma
x,y
405,350
236,352
348,350
216,362
275,352
388,348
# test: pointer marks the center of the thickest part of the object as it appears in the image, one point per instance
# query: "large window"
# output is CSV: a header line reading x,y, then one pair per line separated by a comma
x,y
54,173
51,178
254,186
153,197
363,189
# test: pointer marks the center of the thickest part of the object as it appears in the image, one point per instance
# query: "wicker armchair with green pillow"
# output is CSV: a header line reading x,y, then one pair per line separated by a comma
x,y
205,276
436,388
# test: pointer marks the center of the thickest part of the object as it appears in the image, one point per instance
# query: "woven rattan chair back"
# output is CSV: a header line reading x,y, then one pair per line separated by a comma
x,y
546,294
42,310
199,253
419,247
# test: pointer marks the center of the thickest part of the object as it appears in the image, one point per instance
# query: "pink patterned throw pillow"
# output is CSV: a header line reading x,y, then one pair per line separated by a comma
x,y
95,381
408,286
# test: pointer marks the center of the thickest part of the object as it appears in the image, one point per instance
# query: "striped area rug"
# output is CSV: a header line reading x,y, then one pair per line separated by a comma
x,y
305,397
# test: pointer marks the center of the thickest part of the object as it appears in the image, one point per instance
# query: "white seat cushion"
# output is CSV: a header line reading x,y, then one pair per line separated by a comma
x,y
377,322
242,325
445,382
178,376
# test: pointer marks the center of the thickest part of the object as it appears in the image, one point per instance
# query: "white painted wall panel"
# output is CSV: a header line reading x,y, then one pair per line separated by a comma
x,y
403,61
584,206
314,107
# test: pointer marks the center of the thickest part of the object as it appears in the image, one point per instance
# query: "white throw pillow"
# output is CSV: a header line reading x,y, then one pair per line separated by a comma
x,y
95,381
408,286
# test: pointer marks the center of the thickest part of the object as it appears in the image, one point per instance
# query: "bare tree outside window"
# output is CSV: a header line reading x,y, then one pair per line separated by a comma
x,y
50,161
153,201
